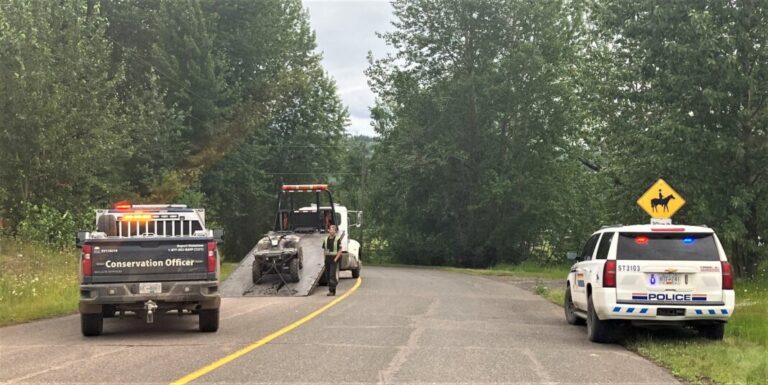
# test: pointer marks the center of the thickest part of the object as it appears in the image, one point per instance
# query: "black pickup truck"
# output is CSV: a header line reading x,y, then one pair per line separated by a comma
x,y
147,260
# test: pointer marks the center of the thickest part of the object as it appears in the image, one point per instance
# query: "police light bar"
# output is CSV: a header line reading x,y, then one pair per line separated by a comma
x,y
668,229
137,217
305,187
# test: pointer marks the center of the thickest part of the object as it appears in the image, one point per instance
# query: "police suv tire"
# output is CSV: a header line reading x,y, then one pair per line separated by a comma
x,y
570,314
91,325
293,269
256,273
598,330
107,224
712,332
209,320
356,271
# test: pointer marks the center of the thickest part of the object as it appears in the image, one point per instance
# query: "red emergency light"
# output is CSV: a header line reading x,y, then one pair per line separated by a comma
x,y
124,205
305,187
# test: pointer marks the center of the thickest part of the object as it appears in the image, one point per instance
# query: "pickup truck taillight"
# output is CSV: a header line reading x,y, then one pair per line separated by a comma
x,y
609,273
727,276
211,257
86,260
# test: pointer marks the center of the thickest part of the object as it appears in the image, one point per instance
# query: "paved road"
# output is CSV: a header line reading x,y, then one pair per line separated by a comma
x,y
400,326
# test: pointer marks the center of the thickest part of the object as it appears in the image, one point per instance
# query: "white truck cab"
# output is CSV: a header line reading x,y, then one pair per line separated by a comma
x,y
650,274
350,259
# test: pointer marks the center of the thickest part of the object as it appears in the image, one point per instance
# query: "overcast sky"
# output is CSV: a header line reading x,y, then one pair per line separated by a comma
x,y
345,33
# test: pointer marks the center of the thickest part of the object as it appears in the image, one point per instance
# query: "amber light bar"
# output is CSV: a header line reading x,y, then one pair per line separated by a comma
x,y
305,187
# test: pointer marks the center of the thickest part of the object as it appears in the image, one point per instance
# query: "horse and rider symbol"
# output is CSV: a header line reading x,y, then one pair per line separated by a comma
x,y
662,201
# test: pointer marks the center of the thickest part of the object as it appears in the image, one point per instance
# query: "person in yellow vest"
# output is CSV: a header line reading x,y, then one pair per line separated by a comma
x,y
332,250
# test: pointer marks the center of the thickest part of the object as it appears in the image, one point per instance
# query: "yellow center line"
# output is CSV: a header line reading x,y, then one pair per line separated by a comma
x,y
223,361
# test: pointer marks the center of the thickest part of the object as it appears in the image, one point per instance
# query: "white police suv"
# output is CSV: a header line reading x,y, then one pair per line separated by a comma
x,y
650,274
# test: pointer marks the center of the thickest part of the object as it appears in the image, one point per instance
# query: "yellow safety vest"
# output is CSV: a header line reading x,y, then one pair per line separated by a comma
x,y
335,245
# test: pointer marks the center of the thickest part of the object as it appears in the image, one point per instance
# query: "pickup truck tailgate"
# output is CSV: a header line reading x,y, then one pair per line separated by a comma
x,y
137,260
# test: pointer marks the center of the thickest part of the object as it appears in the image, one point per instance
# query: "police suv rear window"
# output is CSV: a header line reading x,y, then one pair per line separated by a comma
x,y
667,247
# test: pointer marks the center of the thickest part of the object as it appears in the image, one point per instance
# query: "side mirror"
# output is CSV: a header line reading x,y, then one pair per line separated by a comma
x,y
359,220
218,235
571,255
80,238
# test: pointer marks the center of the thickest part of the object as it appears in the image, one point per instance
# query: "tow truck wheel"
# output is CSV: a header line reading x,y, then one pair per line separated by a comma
x,y
209,320
293,269
91,324
256,274
712,331
570,315
598,330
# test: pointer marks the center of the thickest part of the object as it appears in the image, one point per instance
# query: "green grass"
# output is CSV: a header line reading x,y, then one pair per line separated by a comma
x,y
226,269
741,358
36,282
526,270
553,294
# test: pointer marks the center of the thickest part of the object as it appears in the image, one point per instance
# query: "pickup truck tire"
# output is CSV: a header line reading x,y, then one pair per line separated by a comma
x,y
107,224
91,325
712,332
256,274
209,320
599,330
356,271
570,314
293,269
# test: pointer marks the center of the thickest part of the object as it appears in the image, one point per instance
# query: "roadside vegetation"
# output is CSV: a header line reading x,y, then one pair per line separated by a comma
x,y
526,269
741,358
36,281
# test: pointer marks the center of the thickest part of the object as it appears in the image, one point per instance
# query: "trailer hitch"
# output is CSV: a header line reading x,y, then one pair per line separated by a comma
x,y
150,306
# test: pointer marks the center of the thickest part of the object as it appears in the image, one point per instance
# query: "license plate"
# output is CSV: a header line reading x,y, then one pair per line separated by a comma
x,y
150,288
665,279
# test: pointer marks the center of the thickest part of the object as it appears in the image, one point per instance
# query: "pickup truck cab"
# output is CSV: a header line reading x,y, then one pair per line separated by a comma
x,y
650,275
146,260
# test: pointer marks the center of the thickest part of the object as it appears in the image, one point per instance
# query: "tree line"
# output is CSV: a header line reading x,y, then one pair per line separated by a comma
x,y
213,104
506,130
510,130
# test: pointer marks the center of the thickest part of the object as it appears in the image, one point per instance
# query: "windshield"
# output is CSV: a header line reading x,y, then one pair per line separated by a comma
x,y
665,247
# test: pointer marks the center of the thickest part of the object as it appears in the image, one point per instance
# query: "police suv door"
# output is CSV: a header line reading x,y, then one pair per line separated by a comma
x,y
581,273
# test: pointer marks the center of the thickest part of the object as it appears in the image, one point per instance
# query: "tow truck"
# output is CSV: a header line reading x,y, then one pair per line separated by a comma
x,y
289,259
146,260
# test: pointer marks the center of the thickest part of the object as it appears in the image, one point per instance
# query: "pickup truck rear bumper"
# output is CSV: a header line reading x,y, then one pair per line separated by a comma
x,y
199,294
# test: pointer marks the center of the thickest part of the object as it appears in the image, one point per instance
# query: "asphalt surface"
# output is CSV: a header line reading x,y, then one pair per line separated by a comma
x,y
400,326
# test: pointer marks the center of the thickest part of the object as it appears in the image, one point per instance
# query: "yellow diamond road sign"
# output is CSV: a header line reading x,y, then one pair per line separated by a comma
x,y
661,201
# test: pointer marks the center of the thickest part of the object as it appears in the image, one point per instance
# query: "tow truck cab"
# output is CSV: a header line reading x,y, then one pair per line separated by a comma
x,y
651,274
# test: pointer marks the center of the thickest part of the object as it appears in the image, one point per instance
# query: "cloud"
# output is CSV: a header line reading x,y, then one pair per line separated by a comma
x,y
345,32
